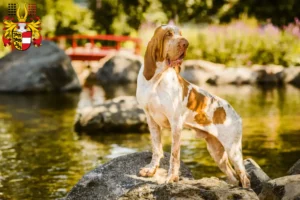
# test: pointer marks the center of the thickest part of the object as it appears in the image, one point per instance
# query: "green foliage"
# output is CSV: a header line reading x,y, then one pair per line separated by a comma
x,y
239,43
66,18
124,16
118,16
192,11
278,11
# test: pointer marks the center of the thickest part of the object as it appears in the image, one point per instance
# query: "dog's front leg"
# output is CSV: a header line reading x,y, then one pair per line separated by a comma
x,y
157,151
173,174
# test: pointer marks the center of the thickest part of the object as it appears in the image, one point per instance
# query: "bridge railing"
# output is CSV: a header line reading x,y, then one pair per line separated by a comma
x,y
92,51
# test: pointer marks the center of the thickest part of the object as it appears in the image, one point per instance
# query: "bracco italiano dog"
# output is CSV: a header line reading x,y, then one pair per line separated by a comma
x,y
171,102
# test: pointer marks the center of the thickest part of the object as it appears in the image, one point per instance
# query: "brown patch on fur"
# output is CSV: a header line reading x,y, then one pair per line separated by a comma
x,y
154,52
202,119
184,85
197,102
219,116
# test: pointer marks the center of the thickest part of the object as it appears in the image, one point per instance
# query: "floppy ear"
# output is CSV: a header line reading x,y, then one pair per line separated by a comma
x,y
154,52
149,60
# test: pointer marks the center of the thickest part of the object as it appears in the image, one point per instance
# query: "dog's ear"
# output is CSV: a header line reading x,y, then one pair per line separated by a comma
x,y
154,53
150,60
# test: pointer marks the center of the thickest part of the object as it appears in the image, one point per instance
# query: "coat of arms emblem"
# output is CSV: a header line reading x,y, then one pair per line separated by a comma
x,y
22,33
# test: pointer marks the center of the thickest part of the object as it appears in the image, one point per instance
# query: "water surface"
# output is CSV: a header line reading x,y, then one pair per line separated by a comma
x,y
42,158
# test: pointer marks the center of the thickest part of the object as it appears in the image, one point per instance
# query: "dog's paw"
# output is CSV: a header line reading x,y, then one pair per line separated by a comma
x,y
232,180
172,178
245,181
147,171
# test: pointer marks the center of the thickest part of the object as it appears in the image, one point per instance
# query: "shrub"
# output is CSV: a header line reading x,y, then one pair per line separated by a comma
x,y
245,43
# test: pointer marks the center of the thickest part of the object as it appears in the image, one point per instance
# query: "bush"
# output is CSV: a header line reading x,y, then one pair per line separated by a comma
x,y
245,43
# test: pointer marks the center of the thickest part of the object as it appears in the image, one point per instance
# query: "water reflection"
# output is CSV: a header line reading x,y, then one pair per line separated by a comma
x,y
41,157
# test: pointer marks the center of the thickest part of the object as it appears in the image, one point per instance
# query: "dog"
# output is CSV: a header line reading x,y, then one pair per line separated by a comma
x,y
169,101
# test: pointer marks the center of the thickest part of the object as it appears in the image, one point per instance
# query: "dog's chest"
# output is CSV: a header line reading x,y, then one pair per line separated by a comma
x,y
161,98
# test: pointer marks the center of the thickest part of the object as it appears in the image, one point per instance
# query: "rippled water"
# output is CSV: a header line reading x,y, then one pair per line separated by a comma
x,y
42,158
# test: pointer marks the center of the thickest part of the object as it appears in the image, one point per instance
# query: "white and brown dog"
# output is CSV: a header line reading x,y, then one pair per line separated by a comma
x,y
171,102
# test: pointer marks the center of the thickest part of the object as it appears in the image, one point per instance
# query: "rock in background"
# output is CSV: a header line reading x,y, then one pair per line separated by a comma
x,y
43,69
234,75
123,67
290,75
119,114
200,72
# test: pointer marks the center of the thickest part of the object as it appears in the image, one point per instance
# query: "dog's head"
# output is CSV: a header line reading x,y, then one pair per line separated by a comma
x,y
167,45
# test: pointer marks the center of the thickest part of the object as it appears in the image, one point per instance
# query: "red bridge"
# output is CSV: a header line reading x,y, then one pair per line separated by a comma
x,y
88,48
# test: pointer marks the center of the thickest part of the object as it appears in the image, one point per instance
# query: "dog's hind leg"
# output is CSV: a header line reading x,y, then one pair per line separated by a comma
x,y
236,158
218,153
157,151
234,150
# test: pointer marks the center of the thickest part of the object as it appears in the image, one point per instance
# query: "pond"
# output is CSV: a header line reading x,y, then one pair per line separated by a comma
x,y
42,158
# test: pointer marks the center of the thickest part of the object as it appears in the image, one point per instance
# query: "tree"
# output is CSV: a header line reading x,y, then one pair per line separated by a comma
x,y
192,11
118,16
280,12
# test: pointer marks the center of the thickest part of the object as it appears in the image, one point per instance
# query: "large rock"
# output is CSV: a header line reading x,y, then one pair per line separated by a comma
x,y
205,188
120,68
256,174
234,75
295,169
118,179
283,188
121,114
199,71
42,69
113,179
203,65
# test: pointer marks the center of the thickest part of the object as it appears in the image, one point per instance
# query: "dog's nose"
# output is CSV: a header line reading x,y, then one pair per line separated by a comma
x,y
184,43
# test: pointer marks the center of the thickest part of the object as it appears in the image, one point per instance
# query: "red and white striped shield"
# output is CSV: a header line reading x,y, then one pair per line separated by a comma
x,y
22,41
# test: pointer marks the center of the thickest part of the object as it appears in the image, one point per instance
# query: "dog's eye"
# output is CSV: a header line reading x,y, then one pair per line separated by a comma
x,y
169,34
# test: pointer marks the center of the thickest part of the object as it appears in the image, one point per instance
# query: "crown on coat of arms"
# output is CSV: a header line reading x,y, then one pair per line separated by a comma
x,y
22,19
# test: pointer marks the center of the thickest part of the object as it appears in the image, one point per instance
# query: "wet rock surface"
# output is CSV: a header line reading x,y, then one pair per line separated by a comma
x,y
116,177
205,188
119,179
